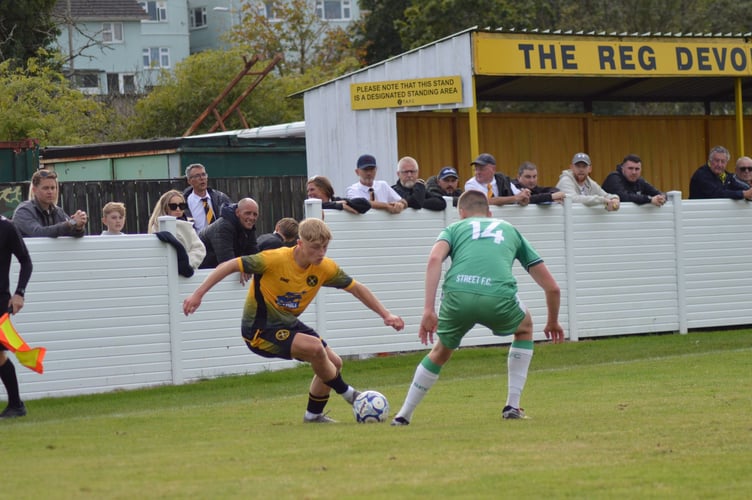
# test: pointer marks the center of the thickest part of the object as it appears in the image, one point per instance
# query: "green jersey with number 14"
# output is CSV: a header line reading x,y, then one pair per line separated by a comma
x,y
483,251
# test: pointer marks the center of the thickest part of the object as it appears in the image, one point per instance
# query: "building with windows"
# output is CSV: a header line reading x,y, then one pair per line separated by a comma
x,y
211,19
121,46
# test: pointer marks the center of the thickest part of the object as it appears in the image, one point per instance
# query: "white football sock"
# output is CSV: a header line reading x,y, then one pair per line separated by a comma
x,y
423,380
518,363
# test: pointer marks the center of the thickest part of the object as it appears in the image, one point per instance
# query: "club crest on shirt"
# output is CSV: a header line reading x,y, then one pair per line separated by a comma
x,y
282,335
312,280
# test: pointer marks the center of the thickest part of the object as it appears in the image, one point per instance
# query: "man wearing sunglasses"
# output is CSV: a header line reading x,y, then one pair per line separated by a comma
x,y
204,203
627,182
744,170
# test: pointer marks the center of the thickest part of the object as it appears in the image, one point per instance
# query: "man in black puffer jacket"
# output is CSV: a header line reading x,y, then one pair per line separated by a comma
x,y
627,182
232,235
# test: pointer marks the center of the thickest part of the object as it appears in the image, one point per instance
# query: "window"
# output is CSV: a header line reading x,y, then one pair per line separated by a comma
x,y
157,10
333,9
86,80
197,17
112,32
156,57
121,83
269,10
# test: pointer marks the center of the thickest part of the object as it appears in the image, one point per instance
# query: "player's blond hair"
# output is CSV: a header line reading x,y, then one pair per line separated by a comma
x,y
314,231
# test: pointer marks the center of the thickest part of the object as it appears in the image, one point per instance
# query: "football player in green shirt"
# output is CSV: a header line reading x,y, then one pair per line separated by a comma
x,y
479,288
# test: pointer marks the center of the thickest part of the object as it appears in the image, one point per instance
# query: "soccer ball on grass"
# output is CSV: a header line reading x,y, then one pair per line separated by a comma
x,y
370,407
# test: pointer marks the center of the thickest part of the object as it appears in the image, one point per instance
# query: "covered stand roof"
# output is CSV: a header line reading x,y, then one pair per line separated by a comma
x,y
706,58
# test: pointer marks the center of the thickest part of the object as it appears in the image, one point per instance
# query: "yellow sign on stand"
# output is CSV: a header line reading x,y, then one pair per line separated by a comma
x,y
400,93
567,56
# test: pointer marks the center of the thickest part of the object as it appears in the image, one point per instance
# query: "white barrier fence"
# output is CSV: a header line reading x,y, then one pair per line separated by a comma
x,y
109,309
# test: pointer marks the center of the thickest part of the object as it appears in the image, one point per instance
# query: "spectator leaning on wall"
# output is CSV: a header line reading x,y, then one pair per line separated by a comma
x,y
413,189
713,181
495,185
40,215
627,182
445,184
577,184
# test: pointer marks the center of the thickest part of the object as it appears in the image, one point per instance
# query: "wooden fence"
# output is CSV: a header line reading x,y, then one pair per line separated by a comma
x,y
277,197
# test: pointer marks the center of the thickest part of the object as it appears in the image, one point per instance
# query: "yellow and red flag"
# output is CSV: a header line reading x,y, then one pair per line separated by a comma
x,y
9,337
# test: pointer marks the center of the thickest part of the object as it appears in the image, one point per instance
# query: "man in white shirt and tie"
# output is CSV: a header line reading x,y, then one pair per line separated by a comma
x,y
204,204
497,186
379,193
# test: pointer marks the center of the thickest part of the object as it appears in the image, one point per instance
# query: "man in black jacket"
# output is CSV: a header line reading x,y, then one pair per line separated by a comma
x,y
527,178
412,189
232,235
627,182
445,184
713,181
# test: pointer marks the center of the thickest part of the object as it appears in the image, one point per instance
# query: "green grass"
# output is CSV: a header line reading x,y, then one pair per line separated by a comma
x,y
665,416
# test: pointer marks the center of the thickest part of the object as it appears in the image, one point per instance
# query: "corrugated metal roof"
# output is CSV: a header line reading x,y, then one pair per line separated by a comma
x,y
648,34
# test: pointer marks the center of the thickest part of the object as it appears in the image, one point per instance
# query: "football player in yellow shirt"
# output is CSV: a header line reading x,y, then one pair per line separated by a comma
x,y
285,281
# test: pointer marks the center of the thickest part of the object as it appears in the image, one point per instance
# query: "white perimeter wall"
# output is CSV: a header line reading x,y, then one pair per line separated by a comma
x,y
108,309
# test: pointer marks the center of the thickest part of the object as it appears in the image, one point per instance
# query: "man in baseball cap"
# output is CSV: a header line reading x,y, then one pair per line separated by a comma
x,y
445,183
577,184
497,186
379,193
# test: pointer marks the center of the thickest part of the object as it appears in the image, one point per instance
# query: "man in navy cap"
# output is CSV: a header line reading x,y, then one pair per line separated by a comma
x,y
445,184
379,193
497,186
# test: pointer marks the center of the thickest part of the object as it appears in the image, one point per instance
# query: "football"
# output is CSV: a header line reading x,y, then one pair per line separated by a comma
x,y
370,407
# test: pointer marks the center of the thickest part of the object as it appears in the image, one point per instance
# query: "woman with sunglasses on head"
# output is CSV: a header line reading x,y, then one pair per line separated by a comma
x,y
173,203
41,216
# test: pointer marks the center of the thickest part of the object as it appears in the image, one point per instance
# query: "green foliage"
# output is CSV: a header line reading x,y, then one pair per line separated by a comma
x,y
180,98
434,19
641,416
37,102
376,34
25,27
313,53
297,33
391,27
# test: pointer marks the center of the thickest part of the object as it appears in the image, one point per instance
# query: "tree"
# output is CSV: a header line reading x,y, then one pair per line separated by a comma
x,y
430,20
376,35
294,29
179,98
38,102
25,27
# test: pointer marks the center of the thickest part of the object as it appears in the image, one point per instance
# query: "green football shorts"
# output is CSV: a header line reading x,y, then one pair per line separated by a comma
x,y
460,311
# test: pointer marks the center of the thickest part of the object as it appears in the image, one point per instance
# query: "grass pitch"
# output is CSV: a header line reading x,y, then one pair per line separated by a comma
x,y
664,416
